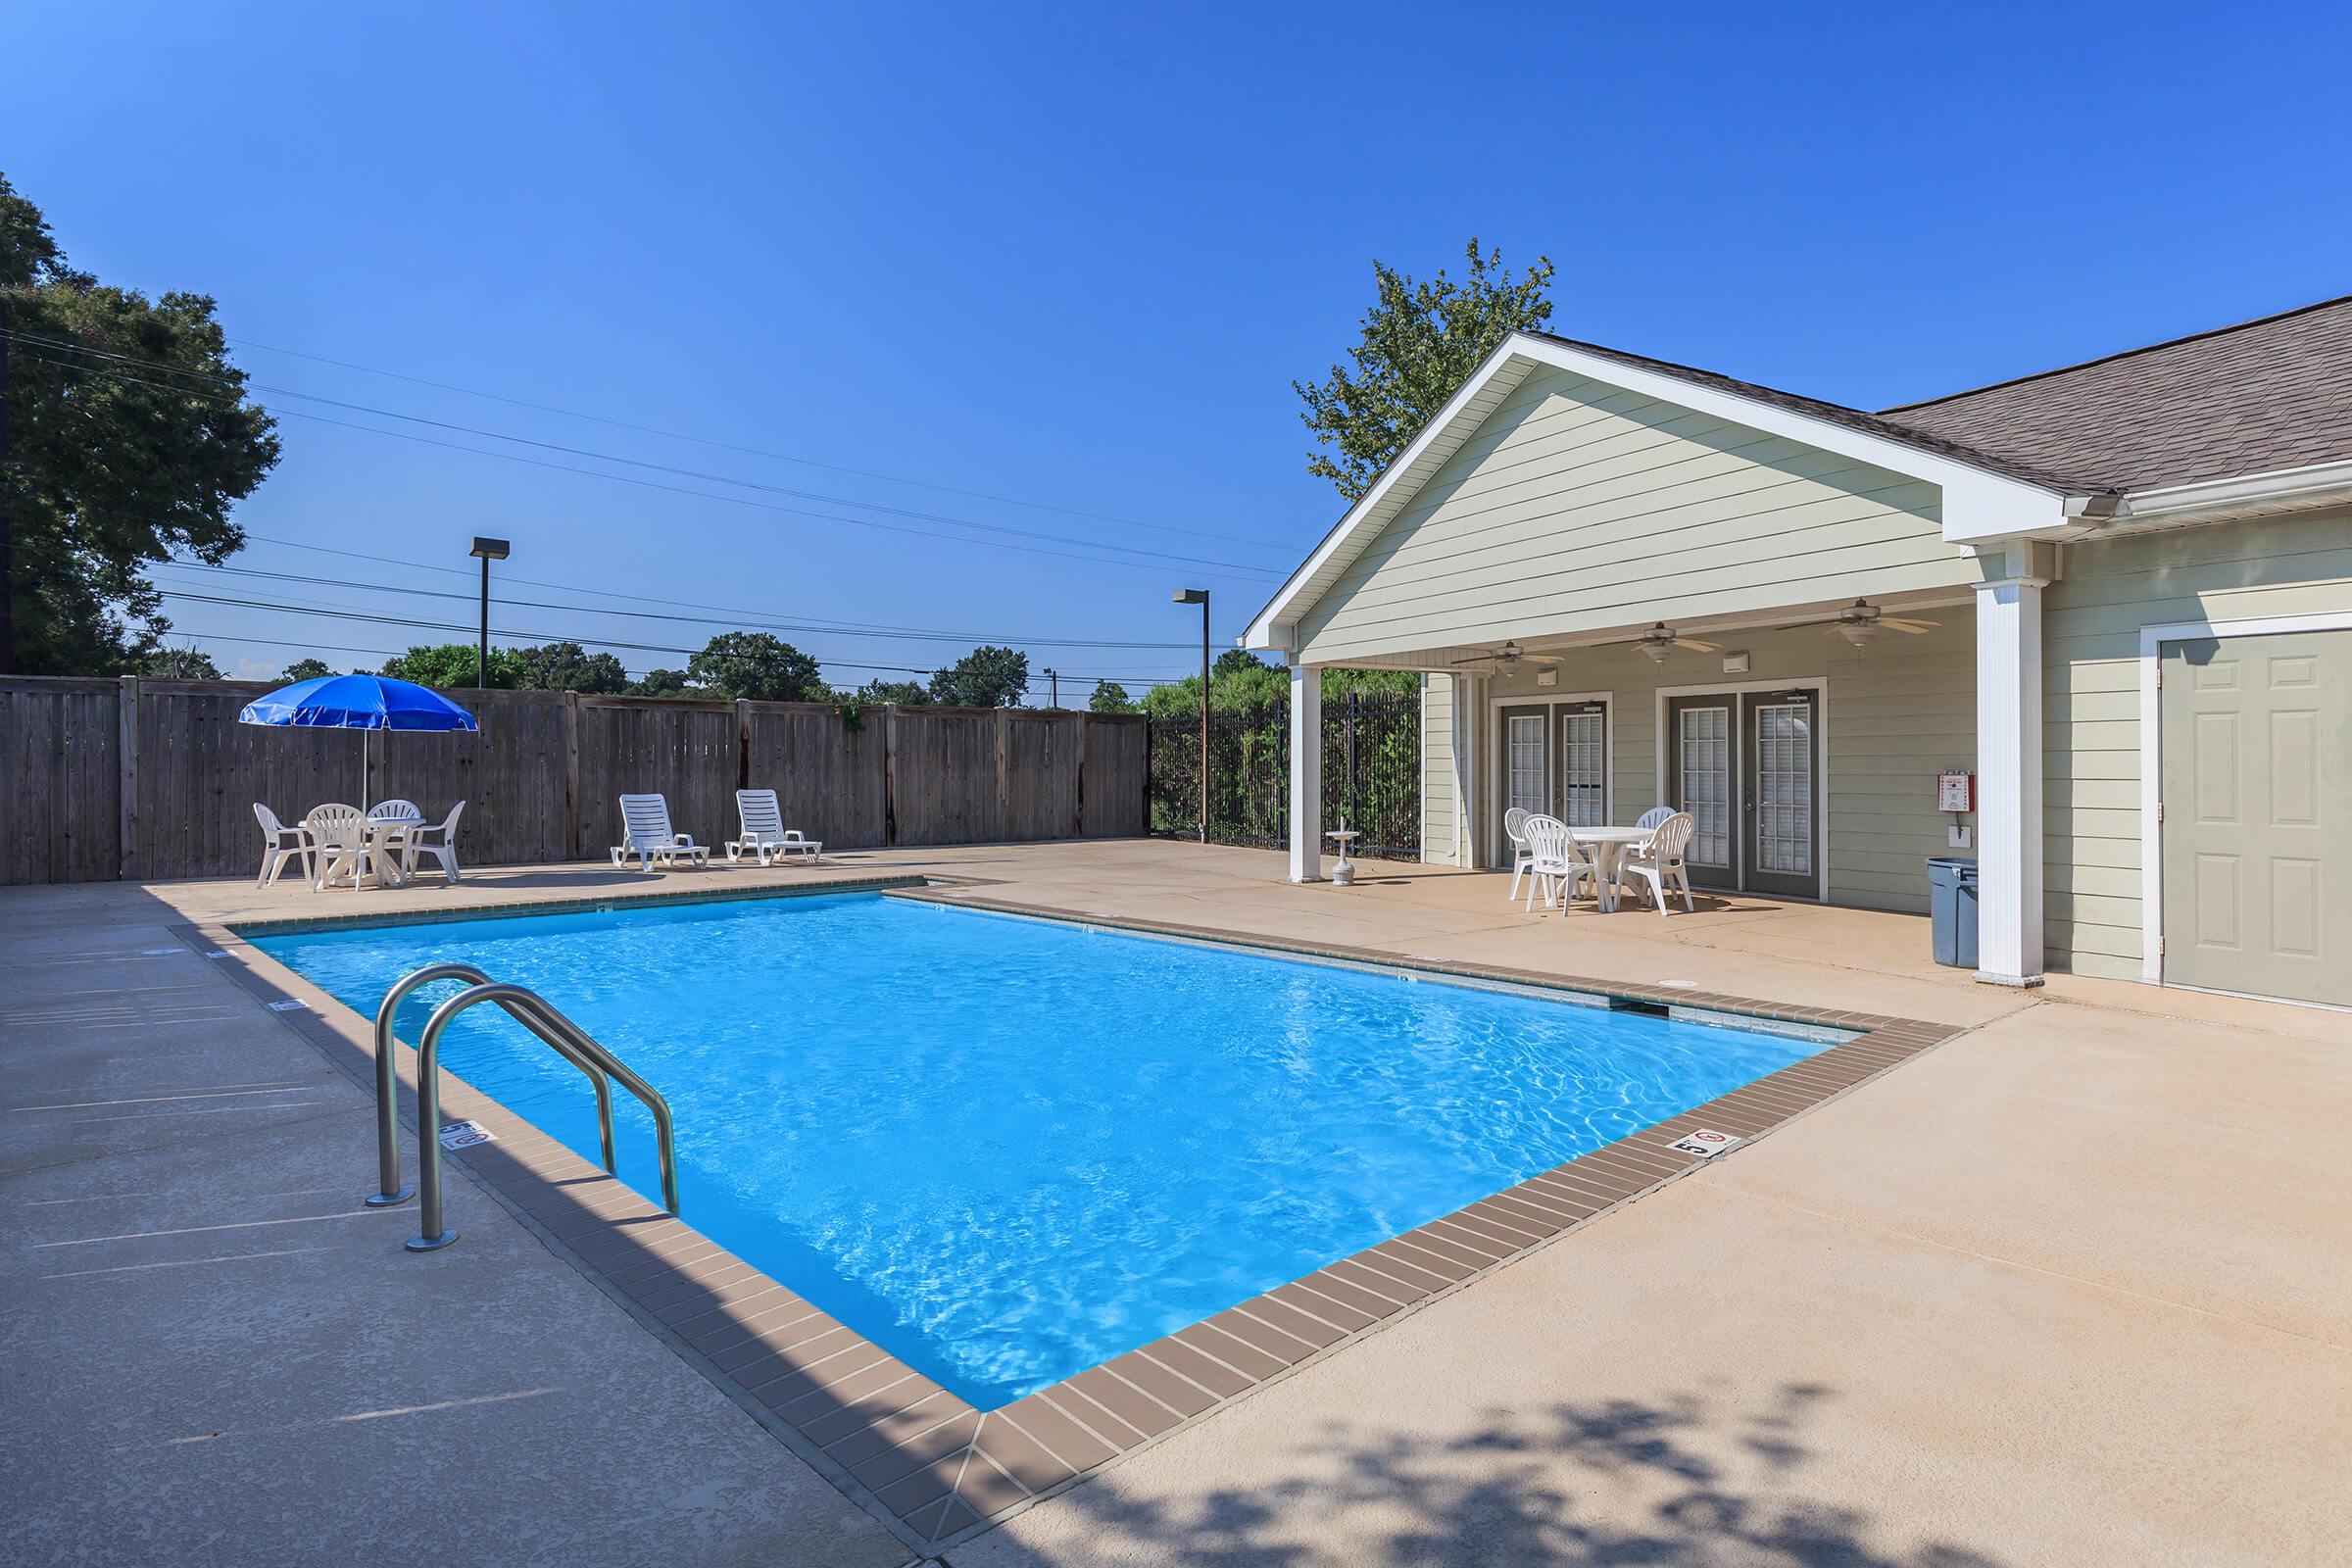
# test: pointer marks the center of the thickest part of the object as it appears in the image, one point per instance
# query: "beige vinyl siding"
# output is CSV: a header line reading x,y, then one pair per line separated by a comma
x,y
2090,701
1896,715
1439,821
1578,505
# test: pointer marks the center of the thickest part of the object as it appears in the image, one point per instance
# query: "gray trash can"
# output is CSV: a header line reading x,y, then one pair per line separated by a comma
x,y
1952,901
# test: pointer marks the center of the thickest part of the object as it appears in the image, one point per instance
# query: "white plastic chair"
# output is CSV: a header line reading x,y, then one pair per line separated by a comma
x,y
1514,828
436,839
764,833
340,839
1653,816
1659,862
280,844
1555,860
646,833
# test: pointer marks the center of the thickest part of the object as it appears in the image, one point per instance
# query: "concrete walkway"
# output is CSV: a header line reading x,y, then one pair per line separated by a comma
x,y
211,1353
2071,1288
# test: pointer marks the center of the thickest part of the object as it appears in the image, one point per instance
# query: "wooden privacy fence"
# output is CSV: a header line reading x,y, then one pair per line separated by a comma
x,y
104,779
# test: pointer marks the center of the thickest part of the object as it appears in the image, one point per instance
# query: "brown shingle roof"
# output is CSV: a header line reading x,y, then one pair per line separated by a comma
x,y
2263,395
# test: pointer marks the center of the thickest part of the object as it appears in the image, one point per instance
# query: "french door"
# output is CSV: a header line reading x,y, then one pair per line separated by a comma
x,y
1746,766
1555,760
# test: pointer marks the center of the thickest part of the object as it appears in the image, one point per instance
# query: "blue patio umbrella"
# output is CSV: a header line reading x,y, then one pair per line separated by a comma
x,y
358,702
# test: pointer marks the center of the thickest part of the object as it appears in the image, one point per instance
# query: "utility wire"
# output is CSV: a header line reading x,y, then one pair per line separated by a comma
x,y
235,390
731,620
538,637
755,452
1035,682
704,495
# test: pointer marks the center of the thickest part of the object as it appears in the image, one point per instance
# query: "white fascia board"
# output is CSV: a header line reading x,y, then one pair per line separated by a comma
x,y
1978,504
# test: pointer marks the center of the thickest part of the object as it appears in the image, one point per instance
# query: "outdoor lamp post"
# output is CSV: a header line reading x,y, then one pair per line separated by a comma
x,y
1200,595
488,550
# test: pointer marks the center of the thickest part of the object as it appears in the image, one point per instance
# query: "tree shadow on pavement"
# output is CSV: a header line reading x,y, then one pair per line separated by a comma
x,y
1659,1484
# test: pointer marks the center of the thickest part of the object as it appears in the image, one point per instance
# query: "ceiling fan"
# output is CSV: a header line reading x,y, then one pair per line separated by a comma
x,y
1861,621
1661,640
1508,655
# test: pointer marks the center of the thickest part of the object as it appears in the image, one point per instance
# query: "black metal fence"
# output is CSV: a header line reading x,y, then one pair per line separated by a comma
x,y
1371,774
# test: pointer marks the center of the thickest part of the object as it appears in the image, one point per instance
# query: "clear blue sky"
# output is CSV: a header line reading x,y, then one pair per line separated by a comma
x,y
1075,256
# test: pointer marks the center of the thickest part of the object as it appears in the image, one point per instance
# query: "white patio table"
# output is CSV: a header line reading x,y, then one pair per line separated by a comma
x,y
1608,846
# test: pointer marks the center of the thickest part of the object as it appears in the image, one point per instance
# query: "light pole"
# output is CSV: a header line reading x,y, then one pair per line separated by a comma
x,y
489,550
1053,678
1200,595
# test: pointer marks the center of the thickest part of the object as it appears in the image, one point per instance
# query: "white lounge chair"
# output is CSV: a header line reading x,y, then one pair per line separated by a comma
x,y
1659,862
1514,828
646,833
1558,861
436,839
280,844
764,833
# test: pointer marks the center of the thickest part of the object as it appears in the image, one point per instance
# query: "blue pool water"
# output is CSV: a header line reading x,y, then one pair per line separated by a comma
x,y
1007,1149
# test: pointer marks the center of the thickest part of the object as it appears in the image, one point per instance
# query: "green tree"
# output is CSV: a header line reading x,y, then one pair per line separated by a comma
x,y
129,443
306,670
662,683
986,677
1111,698
1421,340
569,668
452,665
905,692
759,666
179,663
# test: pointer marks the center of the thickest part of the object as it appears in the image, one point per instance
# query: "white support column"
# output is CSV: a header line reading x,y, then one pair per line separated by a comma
x,y
1306,774
2009,826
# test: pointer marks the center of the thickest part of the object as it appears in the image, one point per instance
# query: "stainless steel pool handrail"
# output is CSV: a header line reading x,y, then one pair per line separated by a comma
x,y
431,1234
534,1013
389,1191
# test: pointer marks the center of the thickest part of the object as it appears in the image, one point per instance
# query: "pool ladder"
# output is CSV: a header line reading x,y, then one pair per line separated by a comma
x,y
535,1013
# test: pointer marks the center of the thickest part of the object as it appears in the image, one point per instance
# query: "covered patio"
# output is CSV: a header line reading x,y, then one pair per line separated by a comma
x,y
1630,584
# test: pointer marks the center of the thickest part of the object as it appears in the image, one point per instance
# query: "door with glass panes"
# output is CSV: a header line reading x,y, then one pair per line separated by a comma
x,y
1555,760
1746,766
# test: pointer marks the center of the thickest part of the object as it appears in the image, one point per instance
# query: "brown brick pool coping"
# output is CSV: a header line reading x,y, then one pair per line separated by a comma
x,y
933,1467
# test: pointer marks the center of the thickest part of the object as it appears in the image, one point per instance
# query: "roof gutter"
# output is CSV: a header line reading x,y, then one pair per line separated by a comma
x,y
2182,506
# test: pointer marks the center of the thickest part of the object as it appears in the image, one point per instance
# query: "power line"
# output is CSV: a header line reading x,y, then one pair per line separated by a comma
x,y
236,388
1032,684
755,452
540,637
608,593
744,620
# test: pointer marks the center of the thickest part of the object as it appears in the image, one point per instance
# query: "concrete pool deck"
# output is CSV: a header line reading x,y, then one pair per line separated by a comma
x,y
2072,1284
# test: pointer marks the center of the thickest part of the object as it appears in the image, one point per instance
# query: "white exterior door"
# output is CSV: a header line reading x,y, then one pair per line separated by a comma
x,y
2256,820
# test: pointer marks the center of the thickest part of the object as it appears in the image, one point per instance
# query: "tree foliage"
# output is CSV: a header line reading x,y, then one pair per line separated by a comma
x,y
569,668
662,683
306,670
1421,340
1111,698
986,677
759,666
179,663
905,692
131,442
452,665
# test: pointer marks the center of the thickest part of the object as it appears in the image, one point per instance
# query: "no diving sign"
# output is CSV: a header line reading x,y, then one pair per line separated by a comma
x,y
466,1134
1705,1143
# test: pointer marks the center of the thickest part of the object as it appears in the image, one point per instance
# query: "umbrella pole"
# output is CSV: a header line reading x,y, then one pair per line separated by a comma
x,y
365,802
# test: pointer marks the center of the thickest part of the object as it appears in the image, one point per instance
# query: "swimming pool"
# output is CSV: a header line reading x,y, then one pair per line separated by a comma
x,y
1007,1149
